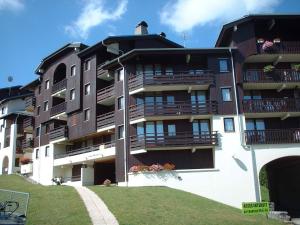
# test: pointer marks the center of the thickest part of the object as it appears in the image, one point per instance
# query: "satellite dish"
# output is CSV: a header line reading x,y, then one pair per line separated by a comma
x,y
10,78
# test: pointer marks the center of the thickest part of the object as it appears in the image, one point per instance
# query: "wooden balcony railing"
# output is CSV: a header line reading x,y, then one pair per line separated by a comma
x,y
59,86
101,72
276,76
182,139
271,105
58,133
179,78
85,150
30,103
106,120
105,93
277,136
57,109
27,144
28,123
178,108
284,47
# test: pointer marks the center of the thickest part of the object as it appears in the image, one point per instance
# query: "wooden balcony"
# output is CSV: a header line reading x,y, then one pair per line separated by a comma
x,y
60,133
59,86
30,103
277,79
178,110
58,109
28,124
174,81
27,145
277,136
104,74
106,121
85,150
284,47
182,140
106,95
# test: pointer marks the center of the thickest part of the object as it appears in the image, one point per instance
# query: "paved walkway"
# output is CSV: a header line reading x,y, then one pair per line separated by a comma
x,y
98,211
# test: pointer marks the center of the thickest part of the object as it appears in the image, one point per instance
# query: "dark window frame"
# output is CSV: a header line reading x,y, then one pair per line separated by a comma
x,y
225,127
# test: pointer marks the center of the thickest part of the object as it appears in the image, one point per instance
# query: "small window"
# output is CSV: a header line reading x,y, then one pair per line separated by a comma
x,y
121,132
226,94
47,149
73,71
74,120
46,106
87,65
170,100
3,110
39,89
120,75
47,84
87,89
47,128
37,131
87,114
171,130
223,65
37,153
72,94
120,103
229,125
38,110
169,71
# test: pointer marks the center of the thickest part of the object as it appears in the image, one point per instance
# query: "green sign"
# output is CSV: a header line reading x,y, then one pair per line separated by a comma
x,y
255,207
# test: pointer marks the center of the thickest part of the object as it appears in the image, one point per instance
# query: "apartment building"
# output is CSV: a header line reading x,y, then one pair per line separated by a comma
x,y
218,114
13,114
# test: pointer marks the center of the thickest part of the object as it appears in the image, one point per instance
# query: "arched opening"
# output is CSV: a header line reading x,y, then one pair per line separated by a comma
x,y
280,184
5,165
60,73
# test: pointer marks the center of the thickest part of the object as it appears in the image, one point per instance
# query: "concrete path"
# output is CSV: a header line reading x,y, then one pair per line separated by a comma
x,y
98,211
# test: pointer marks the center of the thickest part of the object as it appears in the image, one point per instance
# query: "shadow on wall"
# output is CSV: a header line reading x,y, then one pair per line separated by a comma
x,y
240,163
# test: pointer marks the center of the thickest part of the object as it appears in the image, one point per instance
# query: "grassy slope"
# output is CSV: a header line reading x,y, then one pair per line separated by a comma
x,y
165,206
52,205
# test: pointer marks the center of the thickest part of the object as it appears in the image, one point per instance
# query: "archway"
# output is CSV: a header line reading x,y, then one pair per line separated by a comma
x,y
60,73
283,182
5,165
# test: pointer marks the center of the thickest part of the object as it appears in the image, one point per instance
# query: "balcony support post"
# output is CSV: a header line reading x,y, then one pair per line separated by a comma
x,y
285,116
283,86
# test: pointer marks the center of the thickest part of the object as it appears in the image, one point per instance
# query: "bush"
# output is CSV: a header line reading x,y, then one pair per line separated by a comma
x,y
263,177
269,68
169,166
296,67
156,167
107,183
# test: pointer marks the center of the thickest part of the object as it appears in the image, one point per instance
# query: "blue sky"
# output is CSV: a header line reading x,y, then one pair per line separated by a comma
x,y
32,29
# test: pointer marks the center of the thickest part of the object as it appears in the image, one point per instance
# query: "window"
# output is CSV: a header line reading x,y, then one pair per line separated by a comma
x,y
223,65
87,89
139,70
248,95
37,131
140,130
228,125
3,110
47,84
170,100
72,94
120,75
120,103
47,128
46,106
121,132
201,127
226,94
87,65
171,130
47,149
157,69
198,97
73,119
73,71
39,89
255,124
87,114
37,153
169,70
38,110
149,71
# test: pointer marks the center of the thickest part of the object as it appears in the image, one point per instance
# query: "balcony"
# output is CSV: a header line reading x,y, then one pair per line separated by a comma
x,y
278,79
106,121
178,110
104,74
27,145
277,136
59,134
105,96
101,151
30,103
59,111
182,140
59,88
283,47
175,81
272,107
28,124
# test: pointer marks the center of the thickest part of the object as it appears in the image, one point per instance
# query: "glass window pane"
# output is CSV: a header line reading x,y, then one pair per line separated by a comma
x,y
150,130
201,96
139,101
169,71
226,94
170,100
228,124
149,100
139,70
158,100
149,70
260,125
157,70
195,128
140,129
223,64
250,125
204,126
159,128
171,130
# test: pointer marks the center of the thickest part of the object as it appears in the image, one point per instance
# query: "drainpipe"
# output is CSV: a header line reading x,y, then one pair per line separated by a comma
x,y
15,145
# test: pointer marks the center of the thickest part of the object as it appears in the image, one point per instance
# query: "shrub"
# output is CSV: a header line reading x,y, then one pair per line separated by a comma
x,y
107,183
25,160
296,67
143,168
269,68
134,169
169,166
156,167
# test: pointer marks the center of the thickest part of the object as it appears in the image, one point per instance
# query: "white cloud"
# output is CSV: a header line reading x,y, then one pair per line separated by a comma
x,y
184,15
94,13
13,5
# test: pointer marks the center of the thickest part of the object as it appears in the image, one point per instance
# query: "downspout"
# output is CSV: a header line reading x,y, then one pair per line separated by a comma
x,y
15,146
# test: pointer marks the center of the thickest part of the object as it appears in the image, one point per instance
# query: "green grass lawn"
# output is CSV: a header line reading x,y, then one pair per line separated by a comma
x,y
166,206
51,205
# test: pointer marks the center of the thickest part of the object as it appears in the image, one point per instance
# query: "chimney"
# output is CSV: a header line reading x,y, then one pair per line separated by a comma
x,y
141,28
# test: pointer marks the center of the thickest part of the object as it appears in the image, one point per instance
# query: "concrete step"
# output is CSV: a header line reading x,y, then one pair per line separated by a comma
x,y
279,215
